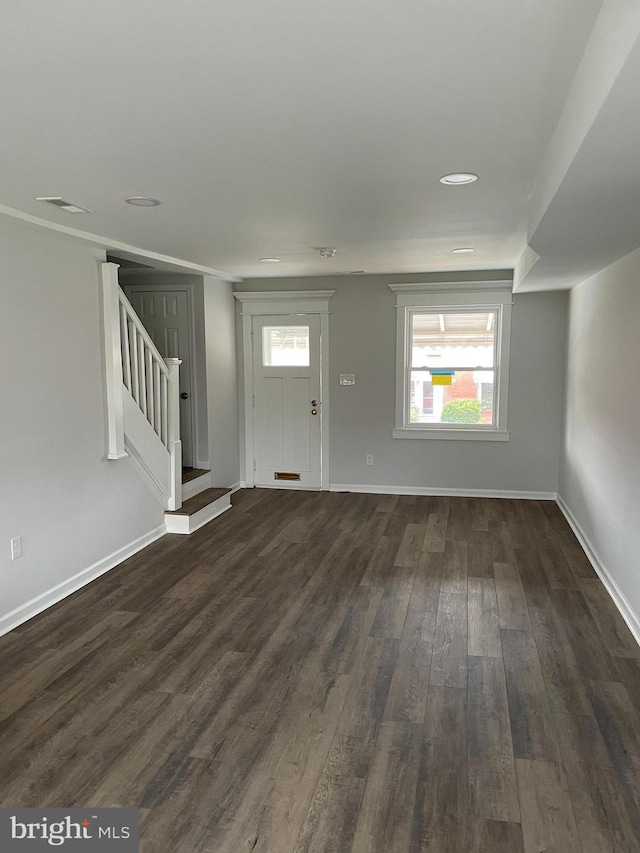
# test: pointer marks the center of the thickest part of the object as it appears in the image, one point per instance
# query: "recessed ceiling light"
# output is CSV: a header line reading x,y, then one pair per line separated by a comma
x,y
456,179
463,250
270,260
325,251
143,201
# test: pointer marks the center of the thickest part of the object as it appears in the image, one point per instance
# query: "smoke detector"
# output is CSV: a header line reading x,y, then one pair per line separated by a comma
x,y
325,251
69,206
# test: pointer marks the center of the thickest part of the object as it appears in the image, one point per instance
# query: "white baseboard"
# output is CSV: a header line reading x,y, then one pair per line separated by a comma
x,y
42,602
237,486
431,492
618,597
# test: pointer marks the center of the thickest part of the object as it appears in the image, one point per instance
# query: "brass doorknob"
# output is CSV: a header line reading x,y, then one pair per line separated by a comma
x,y
314,411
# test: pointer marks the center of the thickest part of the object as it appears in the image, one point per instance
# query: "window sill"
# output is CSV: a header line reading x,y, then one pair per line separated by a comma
x,y
453,434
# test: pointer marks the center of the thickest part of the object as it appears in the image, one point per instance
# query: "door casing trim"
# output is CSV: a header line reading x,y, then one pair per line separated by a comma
x,y
279,303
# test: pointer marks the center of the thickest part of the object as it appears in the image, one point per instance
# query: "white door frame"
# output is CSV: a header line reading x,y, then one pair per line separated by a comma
x,y
285,302
188,288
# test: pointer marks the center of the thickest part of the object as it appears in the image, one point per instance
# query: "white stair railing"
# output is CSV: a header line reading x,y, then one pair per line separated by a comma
x,y
134,364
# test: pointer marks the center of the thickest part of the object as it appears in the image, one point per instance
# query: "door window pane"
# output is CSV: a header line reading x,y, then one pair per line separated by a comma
x,y
285,346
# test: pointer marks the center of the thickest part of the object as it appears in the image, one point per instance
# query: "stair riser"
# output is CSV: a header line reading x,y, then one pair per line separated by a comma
x,y
194,487
185,524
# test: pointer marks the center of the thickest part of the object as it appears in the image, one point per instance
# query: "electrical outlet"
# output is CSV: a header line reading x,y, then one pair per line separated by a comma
x,y
369,458
16,547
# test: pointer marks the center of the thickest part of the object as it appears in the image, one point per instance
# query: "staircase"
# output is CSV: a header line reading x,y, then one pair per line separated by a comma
x,y
200,503
143,409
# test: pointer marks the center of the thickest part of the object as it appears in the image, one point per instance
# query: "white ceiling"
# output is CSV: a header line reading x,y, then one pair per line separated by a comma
x,y
268,127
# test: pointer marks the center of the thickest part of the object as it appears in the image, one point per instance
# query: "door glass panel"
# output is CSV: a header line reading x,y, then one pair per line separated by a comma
x,y
285,346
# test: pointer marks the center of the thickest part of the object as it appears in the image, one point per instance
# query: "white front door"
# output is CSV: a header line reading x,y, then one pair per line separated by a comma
x,y
165,315
287,409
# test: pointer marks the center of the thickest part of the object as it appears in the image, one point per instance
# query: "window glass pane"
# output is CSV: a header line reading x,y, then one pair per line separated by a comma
x,y
453,339
285,346
467,400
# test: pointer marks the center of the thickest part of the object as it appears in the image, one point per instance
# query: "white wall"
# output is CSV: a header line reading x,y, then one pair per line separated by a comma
x,y
222,382
72,507
362,341
600,460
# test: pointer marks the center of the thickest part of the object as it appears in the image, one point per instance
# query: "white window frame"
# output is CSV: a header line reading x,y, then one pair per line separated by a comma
x,y
442,298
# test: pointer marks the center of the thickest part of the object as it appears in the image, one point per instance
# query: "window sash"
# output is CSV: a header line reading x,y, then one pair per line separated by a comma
x,y
412,312
496,310
445,367
444,297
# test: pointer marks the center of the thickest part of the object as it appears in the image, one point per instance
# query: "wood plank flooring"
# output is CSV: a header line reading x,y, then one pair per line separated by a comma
x,y
318,672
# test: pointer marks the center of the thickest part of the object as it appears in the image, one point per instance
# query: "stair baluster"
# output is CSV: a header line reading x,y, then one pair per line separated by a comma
x,y
135,368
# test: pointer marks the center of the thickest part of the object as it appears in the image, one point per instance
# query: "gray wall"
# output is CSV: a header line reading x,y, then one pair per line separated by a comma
x,y
72,507
600,461
222,382
362,341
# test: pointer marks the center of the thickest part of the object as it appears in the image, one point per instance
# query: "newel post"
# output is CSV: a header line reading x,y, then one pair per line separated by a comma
x,y
174,444
113,360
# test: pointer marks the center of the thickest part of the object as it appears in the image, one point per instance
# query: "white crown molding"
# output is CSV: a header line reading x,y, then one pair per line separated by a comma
x,y
116,245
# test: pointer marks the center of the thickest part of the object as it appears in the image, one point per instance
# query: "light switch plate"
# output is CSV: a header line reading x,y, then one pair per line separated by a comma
x,y
347,379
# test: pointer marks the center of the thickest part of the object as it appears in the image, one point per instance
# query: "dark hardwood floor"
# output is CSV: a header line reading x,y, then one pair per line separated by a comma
x,y
338,672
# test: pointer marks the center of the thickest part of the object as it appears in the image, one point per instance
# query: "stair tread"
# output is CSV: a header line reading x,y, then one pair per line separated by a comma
x,y
191,473
199,501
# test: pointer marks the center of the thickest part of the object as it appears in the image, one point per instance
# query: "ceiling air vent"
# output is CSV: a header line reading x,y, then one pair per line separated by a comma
x,y
69,206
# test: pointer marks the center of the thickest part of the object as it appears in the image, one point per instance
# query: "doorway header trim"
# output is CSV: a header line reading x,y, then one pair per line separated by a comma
x,y
285,301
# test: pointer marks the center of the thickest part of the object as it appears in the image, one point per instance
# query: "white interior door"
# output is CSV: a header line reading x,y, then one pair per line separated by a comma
x,y
165,315
287,409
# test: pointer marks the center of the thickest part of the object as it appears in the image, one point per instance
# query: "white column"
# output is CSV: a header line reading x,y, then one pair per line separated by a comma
x,y
113,360
174,445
